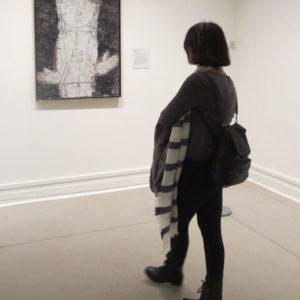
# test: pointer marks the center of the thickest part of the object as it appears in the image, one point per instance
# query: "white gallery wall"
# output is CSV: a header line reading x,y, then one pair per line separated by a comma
x,y
59,147
267,78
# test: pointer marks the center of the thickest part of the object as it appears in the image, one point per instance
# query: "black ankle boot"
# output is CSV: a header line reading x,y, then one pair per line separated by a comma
x,y
166,273
210,291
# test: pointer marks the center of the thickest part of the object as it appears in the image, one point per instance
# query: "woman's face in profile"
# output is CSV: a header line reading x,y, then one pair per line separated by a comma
x,y
189,61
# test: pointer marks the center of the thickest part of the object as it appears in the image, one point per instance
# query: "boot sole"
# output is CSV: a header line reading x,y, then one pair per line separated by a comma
x,y
175,283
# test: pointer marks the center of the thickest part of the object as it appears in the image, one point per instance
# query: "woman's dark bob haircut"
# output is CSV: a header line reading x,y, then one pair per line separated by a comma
x,y
205,44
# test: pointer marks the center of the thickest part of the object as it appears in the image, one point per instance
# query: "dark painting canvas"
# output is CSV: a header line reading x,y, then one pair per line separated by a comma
x,y
77,48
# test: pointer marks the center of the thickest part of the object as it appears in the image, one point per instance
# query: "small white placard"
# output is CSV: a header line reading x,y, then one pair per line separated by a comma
x,y
141,59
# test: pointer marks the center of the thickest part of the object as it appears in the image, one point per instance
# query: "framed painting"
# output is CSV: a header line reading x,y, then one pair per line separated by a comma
x,y
77,49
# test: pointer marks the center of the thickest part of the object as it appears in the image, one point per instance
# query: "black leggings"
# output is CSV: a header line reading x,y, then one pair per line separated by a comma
x,y
196,194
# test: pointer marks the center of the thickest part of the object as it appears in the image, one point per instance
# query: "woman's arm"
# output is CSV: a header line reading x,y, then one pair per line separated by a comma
x,y
190,94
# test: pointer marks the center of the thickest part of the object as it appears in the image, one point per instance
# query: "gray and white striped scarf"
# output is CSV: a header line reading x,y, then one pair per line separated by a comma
x,y
166,202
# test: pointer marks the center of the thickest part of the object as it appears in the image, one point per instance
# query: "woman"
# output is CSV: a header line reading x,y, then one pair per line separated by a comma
x,y
206,47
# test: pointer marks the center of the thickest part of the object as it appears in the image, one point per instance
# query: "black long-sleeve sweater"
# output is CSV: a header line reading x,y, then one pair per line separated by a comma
x,y
197,94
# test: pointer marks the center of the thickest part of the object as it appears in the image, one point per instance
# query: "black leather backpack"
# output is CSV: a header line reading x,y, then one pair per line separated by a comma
x,y
230,163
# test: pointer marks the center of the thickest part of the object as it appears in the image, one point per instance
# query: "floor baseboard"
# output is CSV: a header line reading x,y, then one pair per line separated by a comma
x,y
61,188
276,185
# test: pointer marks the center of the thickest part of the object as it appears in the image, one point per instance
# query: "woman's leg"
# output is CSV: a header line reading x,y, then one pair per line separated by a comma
x,y
209,220
180,243
193,191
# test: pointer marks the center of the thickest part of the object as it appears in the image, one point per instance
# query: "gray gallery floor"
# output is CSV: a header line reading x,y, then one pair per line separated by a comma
x,y
97,247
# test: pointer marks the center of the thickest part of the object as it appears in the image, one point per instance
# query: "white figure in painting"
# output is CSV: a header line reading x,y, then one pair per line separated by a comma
x,y
76,62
